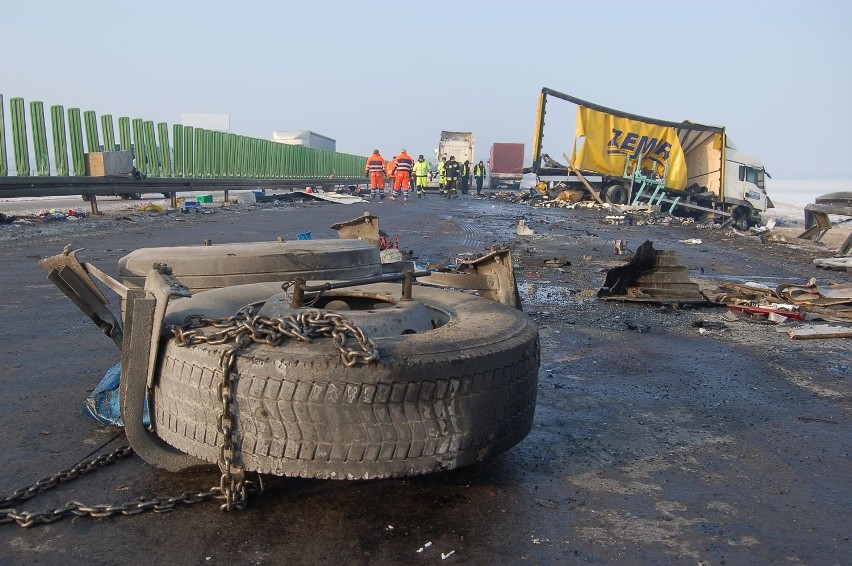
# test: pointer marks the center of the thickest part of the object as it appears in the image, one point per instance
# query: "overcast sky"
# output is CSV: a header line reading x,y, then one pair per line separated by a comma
x,y
389,75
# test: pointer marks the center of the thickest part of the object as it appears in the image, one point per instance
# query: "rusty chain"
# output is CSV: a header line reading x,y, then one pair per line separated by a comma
x,y
243,329
240,331
30,519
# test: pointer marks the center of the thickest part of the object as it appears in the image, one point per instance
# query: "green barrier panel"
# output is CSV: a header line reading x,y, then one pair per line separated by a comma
x,y
165,149
60,146
195,153
242,157
257,158
188,152
125,140
90,121
215,157
268,159
42,157
108,133
177,134
151,150
226,155
4,163
225,140
19,137
199,152
75,136
139,146
217,152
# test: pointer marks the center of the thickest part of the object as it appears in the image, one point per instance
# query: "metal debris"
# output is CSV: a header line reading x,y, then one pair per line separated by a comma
x,y
652,276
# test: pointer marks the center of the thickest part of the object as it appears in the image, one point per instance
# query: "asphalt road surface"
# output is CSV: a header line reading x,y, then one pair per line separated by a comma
x,y
652,442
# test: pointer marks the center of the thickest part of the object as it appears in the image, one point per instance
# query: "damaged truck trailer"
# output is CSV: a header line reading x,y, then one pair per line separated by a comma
x,y
684,168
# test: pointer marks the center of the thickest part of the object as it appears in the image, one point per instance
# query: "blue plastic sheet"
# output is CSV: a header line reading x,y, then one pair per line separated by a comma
x,y
103,404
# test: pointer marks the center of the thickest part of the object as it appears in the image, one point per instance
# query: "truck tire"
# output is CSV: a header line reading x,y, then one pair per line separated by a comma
x,y
436,400
616,193
223,265
741,216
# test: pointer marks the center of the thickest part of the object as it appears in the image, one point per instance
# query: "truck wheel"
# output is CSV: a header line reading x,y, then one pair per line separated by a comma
x,y
224,265
86,198
437,399
616,193
741,218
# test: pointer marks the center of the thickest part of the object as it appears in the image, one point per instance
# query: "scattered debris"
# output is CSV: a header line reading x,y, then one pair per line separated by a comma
x,y
817,218
652,276
834,263
365,227
523,230
151,207
640,328
691,241
832,303
710,325
813,331
557,262
776,313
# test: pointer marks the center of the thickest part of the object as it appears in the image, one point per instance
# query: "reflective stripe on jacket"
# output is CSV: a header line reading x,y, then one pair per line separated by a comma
x,y
375,163
404,162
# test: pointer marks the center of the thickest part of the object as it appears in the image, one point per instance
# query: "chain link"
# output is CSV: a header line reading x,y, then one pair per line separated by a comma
x,y
246,328
30,519
240,331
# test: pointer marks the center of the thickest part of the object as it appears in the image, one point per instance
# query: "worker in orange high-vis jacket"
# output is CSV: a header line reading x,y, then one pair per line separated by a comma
x,y
375,170
402,175
390,171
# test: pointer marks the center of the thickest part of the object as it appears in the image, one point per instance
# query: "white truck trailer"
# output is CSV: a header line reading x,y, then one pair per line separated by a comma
x,y
458,145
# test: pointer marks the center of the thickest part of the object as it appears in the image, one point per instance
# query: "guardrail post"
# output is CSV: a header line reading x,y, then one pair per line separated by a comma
x,y
60,145
75,135
90,120
4,164
42,157
19,137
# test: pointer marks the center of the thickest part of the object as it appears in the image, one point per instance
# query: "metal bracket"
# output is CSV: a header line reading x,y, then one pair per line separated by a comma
x,y
141,333
492,276
365,227
74,280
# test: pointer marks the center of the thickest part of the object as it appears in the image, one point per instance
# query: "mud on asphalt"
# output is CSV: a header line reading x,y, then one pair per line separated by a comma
x,y
653,442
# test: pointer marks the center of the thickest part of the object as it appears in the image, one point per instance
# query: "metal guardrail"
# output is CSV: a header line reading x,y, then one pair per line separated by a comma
x,y
12,187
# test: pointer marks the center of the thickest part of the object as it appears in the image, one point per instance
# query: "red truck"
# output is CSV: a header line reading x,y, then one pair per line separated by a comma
x,y
505,165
